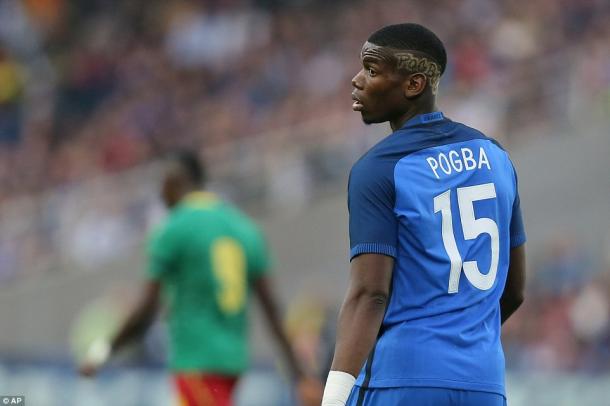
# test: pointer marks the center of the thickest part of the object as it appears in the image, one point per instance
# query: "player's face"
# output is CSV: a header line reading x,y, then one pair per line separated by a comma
x,y
170,188
378,87
168,194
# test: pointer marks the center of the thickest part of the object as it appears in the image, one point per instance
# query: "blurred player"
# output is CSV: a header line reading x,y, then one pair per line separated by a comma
x,y
204,262
436,239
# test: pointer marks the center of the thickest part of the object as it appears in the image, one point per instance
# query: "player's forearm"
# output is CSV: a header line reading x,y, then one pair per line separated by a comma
x,y
358,326
270,309
134,327
140,318
295,368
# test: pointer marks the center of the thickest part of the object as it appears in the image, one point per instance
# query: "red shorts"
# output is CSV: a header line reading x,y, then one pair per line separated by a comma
x,y
199,389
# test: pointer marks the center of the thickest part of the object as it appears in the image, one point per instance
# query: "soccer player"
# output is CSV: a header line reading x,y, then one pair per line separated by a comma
x,y
204,262
436,242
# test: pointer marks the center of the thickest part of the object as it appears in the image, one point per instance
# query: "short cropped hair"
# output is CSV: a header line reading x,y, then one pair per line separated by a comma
x,y
192,165
411,37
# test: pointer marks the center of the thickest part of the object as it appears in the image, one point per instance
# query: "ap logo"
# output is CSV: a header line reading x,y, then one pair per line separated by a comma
x,y
12,400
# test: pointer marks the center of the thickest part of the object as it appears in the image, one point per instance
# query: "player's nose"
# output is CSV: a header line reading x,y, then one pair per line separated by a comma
x,y
357,80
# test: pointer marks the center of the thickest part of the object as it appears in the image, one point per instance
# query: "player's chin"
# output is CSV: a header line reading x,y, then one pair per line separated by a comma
x,y
369,119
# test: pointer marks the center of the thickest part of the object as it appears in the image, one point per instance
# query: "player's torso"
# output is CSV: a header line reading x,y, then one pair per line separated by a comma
x,y
212,258
454,191
207,294
454,205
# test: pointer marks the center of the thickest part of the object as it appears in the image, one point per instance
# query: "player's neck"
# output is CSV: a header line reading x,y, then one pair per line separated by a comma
x,y
414,110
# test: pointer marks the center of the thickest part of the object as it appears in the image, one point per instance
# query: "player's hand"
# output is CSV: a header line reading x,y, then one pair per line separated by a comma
x,y
88,370
310,391
97,355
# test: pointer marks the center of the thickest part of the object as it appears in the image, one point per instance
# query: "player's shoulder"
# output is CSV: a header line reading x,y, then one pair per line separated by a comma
x,y
370,169
471,133
187,213
168,227
459,133
467,132
161,234
380,159
177,218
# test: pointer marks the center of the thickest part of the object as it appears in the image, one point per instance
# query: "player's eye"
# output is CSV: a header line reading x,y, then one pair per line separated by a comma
x,y
371,71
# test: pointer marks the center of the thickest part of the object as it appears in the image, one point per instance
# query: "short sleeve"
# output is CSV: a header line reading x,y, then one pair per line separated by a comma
x,y
517,229
161,252
258,254
373,225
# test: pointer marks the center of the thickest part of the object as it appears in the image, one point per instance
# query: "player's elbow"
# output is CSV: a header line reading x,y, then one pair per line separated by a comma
x,y
377,298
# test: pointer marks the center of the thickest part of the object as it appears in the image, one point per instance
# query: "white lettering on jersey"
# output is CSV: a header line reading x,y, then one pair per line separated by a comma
x,y
469,161
483,159
433,165
442,160
454,161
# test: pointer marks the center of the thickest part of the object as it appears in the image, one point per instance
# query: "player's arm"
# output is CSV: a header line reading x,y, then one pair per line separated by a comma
x,y
359,322
309,388
140,318
373,235
513,294
262,287
161,252
259,264
135,325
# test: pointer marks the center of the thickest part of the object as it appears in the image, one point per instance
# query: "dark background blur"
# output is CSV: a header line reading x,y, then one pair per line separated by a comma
x,y
93,93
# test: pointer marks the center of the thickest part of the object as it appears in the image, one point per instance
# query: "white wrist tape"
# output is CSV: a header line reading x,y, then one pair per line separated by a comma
x,y
338,387
98,352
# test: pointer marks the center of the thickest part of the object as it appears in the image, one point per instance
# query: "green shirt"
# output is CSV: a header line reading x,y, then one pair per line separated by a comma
x,y
206,257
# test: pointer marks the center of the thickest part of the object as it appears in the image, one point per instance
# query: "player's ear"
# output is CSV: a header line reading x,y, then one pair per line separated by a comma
x,y
414,85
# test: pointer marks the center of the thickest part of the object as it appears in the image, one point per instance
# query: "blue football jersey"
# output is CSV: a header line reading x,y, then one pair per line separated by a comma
x,y
441,198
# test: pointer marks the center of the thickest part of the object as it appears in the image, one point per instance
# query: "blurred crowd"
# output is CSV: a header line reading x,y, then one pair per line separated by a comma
x,y
100,86
562,327
97,87
564,324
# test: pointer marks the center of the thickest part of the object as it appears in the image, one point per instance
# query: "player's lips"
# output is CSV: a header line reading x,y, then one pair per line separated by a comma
x,y
357,106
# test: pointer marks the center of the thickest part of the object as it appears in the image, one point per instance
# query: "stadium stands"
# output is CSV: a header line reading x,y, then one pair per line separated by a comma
x,y
91,95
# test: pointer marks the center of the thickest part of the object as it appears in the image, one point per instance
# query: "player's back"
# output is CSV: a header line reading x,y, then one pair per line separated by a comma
x,y
453,193
216,252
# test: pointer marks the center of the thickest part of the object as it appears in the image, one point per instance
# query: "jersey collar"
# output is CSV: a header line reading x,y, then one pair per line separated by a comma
x,y
200,198
426,118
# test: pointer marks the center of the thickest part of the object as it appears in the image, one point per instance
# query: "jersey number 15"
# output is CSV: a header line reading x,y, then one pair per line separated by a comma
x,y
472,227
